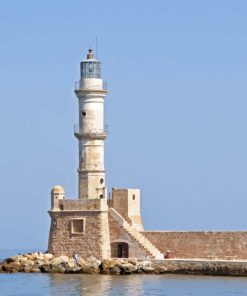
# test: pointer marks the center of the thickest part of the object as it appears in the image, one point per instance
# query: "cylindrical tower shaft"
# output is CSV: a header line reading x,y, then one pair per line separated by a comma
x,y
90,132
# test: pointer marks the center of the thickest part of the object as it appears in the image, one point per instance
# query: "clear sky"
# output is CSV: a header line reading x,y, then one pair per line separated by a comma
x,y
176,72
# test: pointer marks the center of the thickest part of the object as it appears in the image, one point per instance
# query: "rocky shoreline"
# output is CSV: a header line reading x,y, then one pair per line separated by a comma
x,y
47,263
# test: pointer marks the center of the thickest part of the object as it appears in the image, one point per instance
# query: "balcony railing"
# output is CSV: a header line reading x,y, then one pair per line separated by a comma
x,y
92,87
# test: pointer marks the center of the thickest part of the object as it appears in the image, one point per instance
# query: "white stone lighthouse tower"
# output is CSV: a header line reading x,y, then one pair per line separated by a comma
x,y
90,132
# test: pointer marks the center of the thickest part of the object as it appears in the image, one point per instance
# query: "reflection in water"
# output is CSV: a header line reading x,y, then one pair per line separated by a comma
x,y
79,284
88,285
131,285
23,284
138,285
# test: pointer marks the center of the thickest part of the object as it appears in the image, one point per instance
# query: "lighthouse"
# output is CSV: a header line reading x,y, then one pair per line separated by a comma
x,y
95,226
91,132
92,224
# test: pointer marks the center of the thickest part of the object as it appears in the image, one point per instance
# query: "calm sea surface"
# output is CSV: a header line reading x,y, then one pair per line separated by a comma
x,y
134,285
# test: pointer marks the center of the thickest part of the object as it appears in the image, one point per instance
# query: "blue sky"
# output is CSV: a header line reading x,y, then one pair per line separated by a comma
x,y
176,72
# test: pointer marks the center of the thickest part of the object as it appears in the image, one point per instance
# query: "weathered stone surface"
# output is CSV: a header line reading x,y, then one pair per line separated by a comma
x,y
60,268
35,270
56,261
200,244
11,266
26,269
45,268
89,269
36,266
29,263
146,263
115,270
12,259
128,268
72,266
64,259
34,256
95,240
93,261
14,265
81,262
39,262
110,263
148,269
110,266
71,263
161,269
92,265
48,256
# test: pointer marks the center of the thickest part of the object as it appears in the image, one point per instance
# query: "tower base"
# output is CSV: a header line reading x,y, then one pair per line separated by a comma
x,y
80,227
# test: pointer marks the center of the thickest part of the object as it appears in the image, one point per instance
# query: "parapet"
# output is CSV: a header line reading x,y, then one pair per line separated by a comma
x,y
59,203
84,205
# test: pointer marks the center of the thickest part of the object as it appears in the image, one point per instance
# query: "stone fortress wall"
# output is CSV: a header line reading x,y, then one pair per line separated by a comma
x,y
201,244
182,244
113,228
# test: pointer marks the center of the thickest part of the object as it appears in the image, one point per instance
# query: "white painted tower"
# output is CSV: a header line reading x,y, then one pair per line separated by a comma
x,y
90,132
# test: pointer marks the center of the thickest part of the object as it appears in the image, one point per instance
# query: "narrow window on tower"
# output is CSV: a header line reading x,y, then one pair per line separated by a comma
x,y
133,197
83,113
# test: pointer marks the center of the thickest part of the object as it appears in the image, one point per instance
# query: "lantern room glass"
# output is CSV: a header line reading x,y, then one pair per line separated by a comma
x,y
90,69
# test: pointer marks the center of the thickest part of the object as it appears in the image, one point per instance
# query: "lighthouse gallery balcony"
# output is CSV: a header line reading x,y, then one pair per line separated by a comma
x,y
80,89
94,134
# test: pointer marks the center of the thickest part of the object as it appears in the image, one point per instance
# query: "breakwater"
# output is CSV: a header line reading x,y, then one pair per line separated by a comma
x,y
38,262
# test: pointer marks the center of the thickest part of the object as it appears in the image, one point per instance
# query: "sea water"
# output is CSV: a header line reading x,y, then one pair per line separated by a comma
x,y
22,284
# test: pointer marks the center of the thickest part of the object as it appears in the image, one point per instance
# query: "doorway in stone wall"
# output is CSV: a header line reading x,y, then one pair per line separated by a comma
x,y
120,250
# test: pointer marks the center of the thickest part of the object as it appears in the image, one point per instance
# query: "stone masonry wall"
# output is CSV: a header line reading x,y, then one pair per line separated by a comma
x,y
208,244
93,242
120,202
105,236
118,234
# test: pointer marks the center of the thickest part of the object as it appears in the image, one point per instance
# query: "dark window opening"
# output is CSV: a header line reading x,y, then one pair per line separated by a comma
x,y
133,196
101,181
83,113
77,226
101,196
